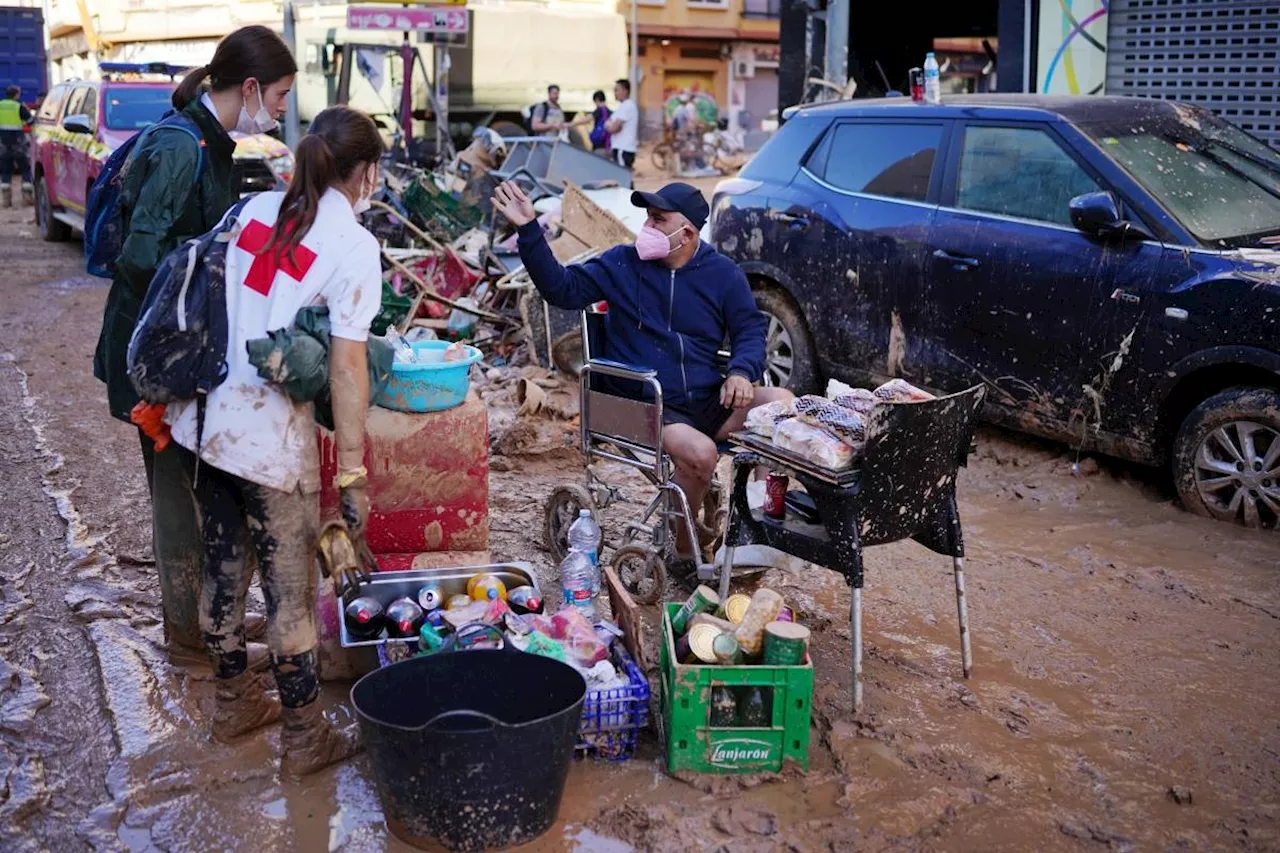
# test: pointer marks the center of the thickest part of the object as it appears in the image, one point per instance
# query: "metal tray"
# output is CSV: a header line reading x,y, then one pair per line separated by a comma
x,y
841,477
386,587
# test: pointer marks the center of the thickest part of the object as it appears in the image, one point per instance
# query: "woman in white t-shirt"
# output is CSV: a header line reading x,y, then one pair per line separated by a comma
x,y
258,476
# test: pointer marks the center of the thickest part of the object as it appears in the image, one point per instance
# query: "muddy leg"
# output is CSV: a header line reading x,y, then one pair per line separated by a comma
x,y
855,618
226,577
962,609
177,542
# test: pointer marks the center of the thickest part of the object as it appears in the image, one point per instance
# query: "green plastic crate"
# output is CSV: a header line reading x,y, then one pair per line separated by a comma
x,y
685,696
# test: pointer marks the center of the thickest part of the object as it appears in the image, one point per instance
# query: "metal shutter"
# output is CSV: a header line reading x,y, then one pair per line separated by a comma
x,y
1223,55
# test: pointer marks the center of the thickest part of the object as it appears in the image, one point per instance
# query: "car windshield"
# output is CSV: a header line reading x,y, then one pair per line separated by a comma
x,y
1220,183
134,109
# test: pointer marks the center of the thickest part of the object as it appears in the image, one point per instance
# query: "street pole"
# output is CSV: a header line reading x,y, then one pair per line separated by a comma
x,y
837,53
292,125
635,54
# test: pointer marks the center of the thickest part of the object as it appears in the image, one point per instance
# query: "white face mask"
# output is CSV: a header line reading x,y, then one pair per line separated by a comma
x,y
366,191
260,122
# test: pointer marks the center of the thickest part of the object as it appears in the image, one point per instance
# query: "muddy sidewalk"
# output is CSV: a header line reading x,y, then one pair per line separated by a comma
x,y
1124,694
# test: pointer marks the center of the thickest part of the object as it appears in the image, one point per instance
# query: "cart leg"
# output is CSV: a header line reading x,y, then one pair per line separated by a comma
x,y
962,610
855,617
726,565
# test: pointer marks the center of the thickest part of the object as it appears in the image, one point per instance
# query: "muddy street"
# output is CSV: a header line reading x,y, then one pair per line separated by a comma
x,y
1124,695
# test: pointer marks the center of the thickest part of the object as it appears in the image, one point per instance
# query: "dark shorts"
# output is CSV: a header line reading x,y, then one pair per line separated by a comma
x,y
626,159
707,416
13,154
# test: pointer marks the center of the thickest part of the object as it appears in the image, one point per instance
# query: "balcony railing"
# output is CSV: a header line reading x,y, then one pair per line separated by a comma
x,y
762,9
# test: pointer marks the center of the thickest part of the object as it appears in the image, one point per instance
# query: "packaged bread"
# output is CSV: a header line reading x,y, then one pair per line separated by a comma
x,y
845,424
812,443
762,420
901,391
859,400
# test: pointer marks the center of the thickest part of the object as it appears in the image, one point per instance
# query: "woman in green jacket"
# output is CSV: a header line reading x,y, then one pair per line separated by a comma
x,y
171,191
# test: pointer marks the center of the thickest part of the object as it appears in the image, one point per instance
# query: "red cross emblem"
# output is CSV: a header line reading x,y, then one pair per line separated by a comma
x,y
253,238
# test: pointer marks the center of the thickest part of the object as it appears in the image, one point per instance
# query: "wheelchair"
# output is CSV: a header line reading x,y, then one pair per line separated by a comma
x,y
619,425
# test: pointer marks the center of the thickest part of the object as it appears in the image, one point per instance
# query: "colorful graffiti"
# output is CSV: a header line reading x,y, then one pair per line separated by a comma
x,y
1072,47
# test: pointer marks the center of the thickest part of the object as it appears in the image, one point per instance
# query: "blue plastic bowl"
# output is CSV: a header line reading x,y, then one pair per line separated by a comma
x,y
431,384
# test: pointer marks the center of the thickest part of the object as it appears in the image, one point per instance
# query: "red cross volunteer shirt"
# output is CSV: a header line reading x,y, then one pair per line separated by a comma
x,y
252,428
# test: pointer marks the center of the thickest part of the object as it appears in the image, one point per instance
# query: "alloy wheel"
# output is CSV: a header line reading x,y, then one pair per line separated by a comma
x,y
779,354
1237,473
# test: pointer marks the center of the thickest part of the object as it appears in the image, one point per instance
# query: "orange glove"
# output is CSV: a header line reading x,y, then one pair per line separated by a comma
x,y
150,419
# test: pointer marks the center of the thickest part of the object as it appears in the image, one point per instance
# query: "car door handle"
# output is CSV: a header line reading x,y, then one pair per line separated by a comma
x,y
959,262
791,219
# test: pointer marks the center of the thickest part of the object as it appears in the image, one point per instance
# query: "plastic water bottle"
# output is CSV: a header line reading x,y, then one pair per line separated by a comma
x,y
577,578
932,82
584,536
403,351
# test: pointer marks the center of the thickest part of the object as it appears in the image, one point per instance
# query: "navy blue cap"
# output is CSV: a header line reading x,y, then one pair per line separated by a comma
x,y
676,198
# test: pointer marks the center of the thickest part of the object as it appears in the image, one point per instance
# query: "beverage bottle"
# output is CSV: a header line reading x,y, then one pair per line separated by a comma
x,y
724,709
585,536
932,82
577,577
403,351
753,710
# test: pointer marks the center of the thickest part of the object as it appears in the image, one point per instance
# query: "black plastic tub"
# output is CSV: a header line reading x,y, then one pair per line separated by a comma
x,y
470,750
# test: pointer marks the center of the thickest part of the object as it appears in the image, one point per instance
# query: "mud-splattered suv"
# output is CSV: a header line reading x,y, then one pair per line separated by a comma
x,y
1108,267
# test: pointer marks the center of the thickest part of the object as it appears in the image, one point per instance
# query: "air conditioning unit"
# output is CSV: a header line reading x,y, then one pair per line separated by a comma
x,y
746,69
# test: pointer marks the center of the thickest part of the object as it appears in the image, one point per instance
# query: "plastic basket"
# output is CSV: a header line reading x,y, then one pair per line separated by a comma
x,y
612,719
430,386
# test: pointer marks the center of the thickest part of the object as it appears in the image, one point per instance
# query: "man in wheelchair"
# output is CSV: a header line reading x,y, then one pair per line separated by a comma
x,y
673,301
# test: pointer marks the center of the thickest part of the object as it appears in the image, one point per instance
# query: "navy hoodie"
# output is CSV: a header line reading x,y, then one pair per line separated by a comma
x,y
671,321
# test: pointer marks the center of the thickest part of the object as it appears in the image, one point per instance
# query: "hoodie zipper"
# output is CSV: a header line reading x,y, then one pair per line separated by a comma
x,y
671,310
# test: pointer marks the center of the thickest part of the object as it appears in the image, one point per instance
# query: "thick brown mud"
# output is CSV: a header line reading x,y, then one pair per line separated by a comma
x,y
1124,693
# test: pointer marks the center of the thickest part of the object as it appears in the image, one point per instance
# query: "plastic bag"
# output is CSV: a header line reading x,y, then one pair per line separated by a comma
x,y
901,391
816,445
578,637
859,400
844,424
762,420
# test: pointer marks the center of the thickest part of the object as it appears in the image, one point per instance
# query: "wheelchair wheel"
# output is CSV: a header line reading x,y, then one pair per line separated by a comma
x,y
562,510
642,572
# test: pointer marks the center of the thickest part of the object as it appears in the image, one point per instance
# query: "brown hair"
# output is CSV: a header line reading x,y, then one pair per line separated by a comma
x,y
339,141
255,52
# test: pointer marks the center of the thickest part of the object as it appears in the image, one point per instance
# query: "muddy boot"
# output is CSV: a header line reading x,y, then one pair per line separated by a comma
x,y
6,197
15,191
255,627
243,706
311,743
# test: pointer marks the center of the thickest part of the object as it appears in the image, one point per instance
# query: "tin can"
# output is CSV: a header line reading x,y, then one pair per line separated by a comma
x,y
785,644
704,598
695,647
786,615
764,608
775,496
431,597
726,650
719,624
916,77
734,608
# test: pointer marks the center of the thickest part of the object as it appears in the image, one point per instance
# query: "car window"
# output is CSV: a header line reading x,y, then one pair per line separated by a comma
x,y
53,103
893,160
134,109
75,102
1019,171
89,106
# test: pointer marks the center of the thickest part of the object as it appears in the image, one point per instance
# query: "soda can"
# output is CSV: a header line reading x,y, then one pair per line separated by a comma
x,y
734,608
430,597
916,77
785,644
704,599
775,496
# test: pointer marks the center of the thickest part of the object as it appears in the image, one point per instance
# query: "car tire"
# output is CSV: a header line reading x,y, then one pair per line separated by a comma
x,y
790,354
1226,458
51,230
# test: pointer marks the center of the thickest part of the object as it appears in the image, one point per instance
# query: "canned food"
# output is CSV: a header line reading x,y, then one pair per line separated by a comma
x,y
695,647
726,650
786,615
763,609
717,623
785,644
704,598
735,607
775,496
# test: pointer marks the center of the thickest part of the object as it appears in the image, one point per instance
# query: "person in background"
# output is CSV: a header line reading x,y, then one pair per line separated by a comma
x,y
14,119
259,467
598,118
667,268
173,189
548,118
624,126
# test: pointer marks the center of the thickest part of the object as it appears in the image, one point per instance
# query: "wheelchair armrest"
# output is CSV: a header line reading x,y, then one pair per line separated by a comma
x,y
619,370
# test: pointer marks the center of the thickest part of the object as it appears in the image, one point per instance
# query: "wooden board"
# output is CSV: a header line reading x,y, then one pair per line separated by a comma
x,y
589,222
627,614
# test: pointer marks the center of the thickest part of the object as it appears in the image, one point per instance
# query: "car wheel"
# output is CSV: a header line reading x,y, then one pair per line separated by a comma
x,y
51,230
1226,458
789,351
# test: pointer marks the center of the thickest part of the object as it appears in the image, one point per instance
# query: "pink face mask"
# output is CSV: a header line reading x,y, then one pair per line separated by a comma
x,y
653,245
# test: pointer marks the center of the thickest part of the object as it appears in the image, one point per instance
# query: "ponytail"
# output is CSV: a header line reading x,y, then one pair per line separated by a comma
x,y
315,171
189,89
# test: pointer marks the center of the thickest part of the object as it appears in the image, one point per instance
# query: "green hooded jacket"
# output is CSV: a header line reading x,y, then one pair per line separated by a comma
x,y
162,207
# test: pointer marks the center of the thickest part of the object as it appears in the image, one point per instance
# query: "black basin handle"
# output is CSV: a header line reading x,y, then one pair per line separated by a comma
x,y
485,722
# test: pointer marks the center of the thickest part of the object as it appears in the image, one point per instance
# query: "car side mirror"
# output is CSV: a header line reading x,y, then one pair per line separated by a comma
x,y
78,124
1098,215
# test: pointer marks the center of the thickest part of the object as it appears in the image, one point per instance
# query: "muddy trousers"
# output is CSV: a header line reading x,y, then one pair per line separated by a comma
x,y
281,528
176,541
